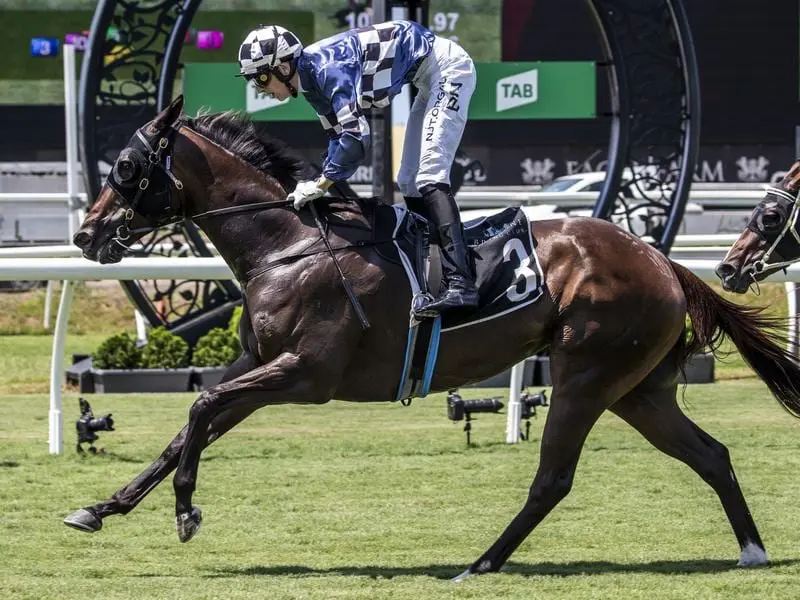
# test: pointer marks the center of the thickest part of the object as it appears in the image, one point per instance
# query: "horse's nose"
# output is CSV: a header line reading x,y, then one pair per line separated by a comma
x,y
82,239
725,270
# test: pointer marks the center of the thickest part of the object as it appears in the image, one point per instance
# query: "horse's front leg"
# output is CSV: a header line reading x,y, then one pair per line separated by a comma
x,y
90,518
287,379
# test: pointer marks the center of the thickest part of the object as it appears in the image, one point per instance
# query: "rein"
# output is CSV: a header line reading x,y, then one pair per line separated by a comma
x,y
286,260
123,182
229,210
257,206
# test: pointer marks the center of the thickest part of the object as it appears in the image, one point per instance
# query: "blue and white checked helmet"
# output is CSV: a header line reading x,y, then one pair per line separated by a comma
x,y
266,47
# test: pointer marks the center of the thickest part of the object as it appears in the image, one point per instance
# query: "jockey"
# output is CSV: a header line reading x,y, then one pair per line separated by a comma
x,y
344,76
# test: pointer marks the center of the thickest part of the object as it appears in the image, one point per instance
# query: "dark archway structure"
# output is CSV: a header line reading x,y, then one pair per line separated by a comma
x,y
124,82
655,120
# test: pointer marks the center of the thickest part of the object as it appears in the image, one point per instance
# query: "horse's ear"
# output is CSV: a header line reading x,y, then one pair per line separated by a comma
x,y
169,115
791,181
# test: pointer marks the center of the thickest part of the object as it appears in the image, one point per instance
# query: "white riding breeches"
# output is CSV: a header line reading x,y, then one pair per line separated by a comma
x,y
445,82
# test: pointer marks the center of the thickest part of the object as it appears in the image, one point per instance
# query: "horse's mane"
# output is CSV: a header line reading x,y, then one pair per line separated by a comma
x,y
238,134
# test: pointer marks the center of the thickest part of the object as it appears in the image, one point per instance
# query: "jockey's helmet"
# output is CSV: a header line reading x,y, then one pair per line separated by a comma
x,y
264,49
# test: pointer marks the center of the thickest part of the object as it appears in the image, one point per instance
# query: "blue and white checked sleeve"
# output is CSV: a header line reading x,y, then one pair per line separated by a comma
x,y
346,125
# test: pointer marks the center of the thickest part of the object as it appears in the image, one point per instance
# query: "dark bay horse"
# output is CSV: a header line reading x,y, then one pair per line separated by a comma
x,y
612,315
771,240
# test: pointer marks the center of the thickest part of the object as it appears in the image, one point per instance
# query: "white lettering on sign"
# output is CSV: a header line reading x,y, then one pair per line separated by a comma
x,y
444,21
257,101
517,90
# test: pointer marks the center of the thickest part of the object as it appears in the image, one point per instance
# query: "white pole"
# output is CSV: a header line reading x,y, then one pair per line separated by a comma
x,y
791,304
141,327
48,301
514,412
71,124
57,369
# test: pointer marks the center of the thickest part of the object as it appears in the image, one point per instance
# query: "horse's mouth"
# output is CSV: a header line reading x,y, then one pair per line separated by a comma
x,y
107,253
111,252
737,285
740,281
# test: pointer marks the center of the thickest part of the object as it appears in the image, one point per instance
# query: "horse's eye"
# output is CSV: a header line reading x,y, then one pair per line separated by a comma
x,y
126,169
771,220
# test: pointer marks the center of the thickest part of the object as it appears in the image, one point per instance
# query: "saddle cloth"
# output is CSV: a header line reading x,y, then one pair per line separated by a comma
x,y
507,271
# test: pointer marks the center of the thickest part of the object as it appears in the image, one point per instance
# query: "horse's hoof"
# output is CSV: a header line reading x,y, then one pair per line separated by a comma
x,y
188,524
752,556
462,576
84,520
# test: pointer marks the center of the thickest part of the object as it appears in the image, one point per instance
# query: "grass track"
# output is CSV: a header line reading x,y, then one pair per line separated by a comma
x,y
380,501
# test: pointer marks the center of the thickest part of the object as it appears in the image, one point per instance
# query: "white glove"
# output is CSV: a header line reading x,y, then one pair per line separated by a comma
x,y
305,192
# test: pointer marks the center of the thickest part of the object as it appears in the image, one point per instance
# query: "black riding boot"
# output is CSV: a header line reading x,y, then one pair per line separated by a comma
x,y
461,291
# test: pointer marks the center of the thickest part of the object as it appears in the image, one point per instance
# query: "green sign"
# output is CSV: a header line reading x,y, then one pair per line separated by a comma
x,y
535,90
215,87
525,90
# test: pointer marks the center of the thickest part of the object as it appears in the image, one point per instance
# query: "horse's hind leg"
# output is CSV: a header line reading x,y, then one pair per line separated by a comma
x,y
657,416
569,420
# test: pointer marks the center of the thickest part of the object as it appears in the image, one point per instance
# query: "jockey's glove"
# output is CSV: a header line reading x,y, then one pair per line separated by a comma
x,y
306,191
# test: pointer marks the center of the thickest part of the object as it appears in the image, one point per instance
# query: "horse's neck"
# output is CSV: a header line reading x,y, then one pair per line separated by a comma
x,y
249,239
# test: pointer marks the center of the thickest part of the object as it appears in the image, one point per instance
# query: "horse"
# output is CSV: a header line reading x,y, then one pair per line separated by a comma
x,y
612,313
770,241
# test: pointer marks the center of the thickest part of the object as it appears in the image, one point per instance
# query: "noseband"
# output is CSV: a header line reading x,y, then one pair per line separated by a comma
x,y
794,202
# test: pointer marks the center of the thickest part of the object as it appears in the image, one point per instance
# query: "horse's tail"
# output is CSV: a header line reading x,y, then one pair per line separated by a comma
x,y
759,338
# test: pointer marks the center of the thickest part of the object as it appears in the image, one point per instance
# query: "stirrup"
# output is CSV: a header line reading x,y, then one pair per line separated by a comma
x,y
418,303
440,304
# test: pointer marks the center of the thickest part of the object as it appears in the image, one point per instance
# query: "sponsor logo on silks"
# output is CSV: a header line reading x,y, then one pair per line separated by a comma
x,y
517,90
256,101
433,114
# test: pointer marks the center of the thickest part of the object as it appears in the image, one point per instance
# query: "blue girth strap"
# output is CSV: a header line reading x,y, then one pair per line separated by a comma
x,y
422,350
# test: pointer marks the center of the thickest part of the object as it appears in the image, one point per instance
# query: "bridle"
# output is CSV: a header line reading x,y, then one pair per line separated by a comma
x,y
794,201
133,174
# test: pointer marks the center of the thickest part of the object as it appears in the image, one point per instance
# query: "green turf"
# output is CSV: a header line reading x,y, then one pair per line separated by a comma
x,y
380,501
377,501
26,360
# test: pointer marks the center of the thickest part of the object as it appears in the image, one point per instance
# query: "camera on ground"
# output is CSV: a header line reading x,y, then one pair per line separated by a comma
x,y
87,426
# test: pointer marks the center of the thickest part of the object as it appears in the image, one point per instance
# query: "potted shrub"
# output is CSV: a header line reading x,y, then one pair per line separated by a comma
x,y
212,356
233,324
700,367
119,366
117,352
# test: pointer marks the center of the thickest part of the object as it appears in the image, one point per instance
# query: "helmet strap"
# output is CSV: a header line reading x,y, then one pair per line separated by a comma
x,y
287,79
